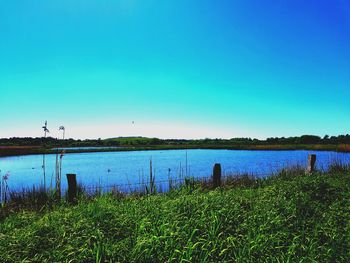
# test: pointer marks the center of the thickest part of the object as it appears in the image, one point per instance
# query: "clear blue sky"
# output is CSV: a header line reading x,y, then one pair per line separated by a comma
x,y
178,69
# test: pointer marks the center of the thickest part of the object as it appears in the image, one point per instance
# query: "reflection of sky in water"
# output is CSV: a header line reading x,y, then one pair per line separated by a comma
x,y
124,168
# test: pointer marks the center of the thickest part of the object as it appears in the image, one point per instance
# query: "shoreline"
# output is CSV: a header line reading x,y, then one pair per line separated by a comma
x,y
8,151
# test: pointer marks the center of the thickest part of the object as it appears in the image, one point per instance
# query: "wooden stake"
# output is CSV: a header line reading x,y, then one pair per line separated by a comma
x,y
311,163
217,175
72,188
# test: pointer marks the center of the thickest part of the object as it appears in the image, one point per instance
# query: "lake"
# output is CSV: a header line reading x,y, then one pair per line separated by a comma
x,y
129,169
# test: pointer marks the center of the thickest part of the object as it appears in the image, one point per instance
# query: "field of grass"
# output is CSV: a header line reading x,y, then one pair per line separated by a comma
x,y
292,217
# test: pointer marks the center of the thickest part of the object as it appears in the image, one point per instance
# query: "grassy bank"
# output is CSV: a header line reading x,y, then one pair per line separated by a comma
x,y
20,150
28,150
290,217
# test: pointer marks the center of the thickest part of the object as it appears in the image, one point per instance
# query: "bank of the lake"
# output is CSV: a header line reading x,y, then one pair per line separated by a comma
x,y
287,218
29,150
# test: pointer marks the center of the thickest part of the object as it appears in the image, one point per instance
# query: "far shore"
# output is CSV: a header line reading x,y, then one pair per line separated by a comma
x,y
6,151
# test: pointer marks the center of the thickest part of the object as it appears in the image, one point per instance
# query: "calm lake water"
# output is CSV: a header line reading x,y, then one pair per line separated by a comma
x,y
131,168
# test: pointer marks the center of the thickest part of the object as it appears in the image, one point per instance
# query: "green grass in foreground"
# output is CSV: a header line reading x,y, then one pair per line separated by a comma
x,y
287,218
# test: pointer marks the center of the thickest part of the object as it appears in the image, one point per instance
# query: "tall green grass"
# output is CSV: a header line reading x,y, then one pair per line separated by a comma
x,y
290,217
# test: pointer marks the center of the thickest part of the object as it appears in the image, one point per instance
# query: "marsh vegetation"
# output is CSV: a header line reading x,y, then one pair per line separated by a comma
x,y
291,216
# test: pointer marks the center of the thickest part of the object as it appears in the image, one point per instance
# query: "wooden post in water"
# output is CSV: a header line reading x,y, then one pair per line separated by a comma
x,y
311,163
217,175
72,187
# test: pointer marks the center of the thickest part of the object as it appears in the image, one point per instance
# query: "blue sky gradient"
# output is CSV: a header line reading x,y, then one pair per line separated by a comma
x,y
178,69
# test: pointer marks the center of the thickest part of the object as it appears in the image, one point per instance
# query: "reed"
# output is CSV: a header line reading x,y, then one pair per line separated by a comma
x,y
151,188
338,167
4,188
343,148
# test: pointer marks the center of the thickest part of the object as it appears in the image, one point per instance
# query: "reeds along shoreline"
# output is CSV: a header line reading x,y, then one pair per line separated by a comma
x,y
38,198
29,150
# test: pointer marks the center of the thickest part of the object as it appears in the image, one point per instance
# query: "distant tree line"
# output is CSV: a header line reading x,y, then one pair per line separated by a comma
x,y
142,141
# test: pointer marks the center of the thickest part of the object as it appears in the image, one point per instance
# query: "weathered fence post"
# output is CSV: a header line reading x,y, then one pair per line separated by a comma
x,y
217,175
311,163
72,187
